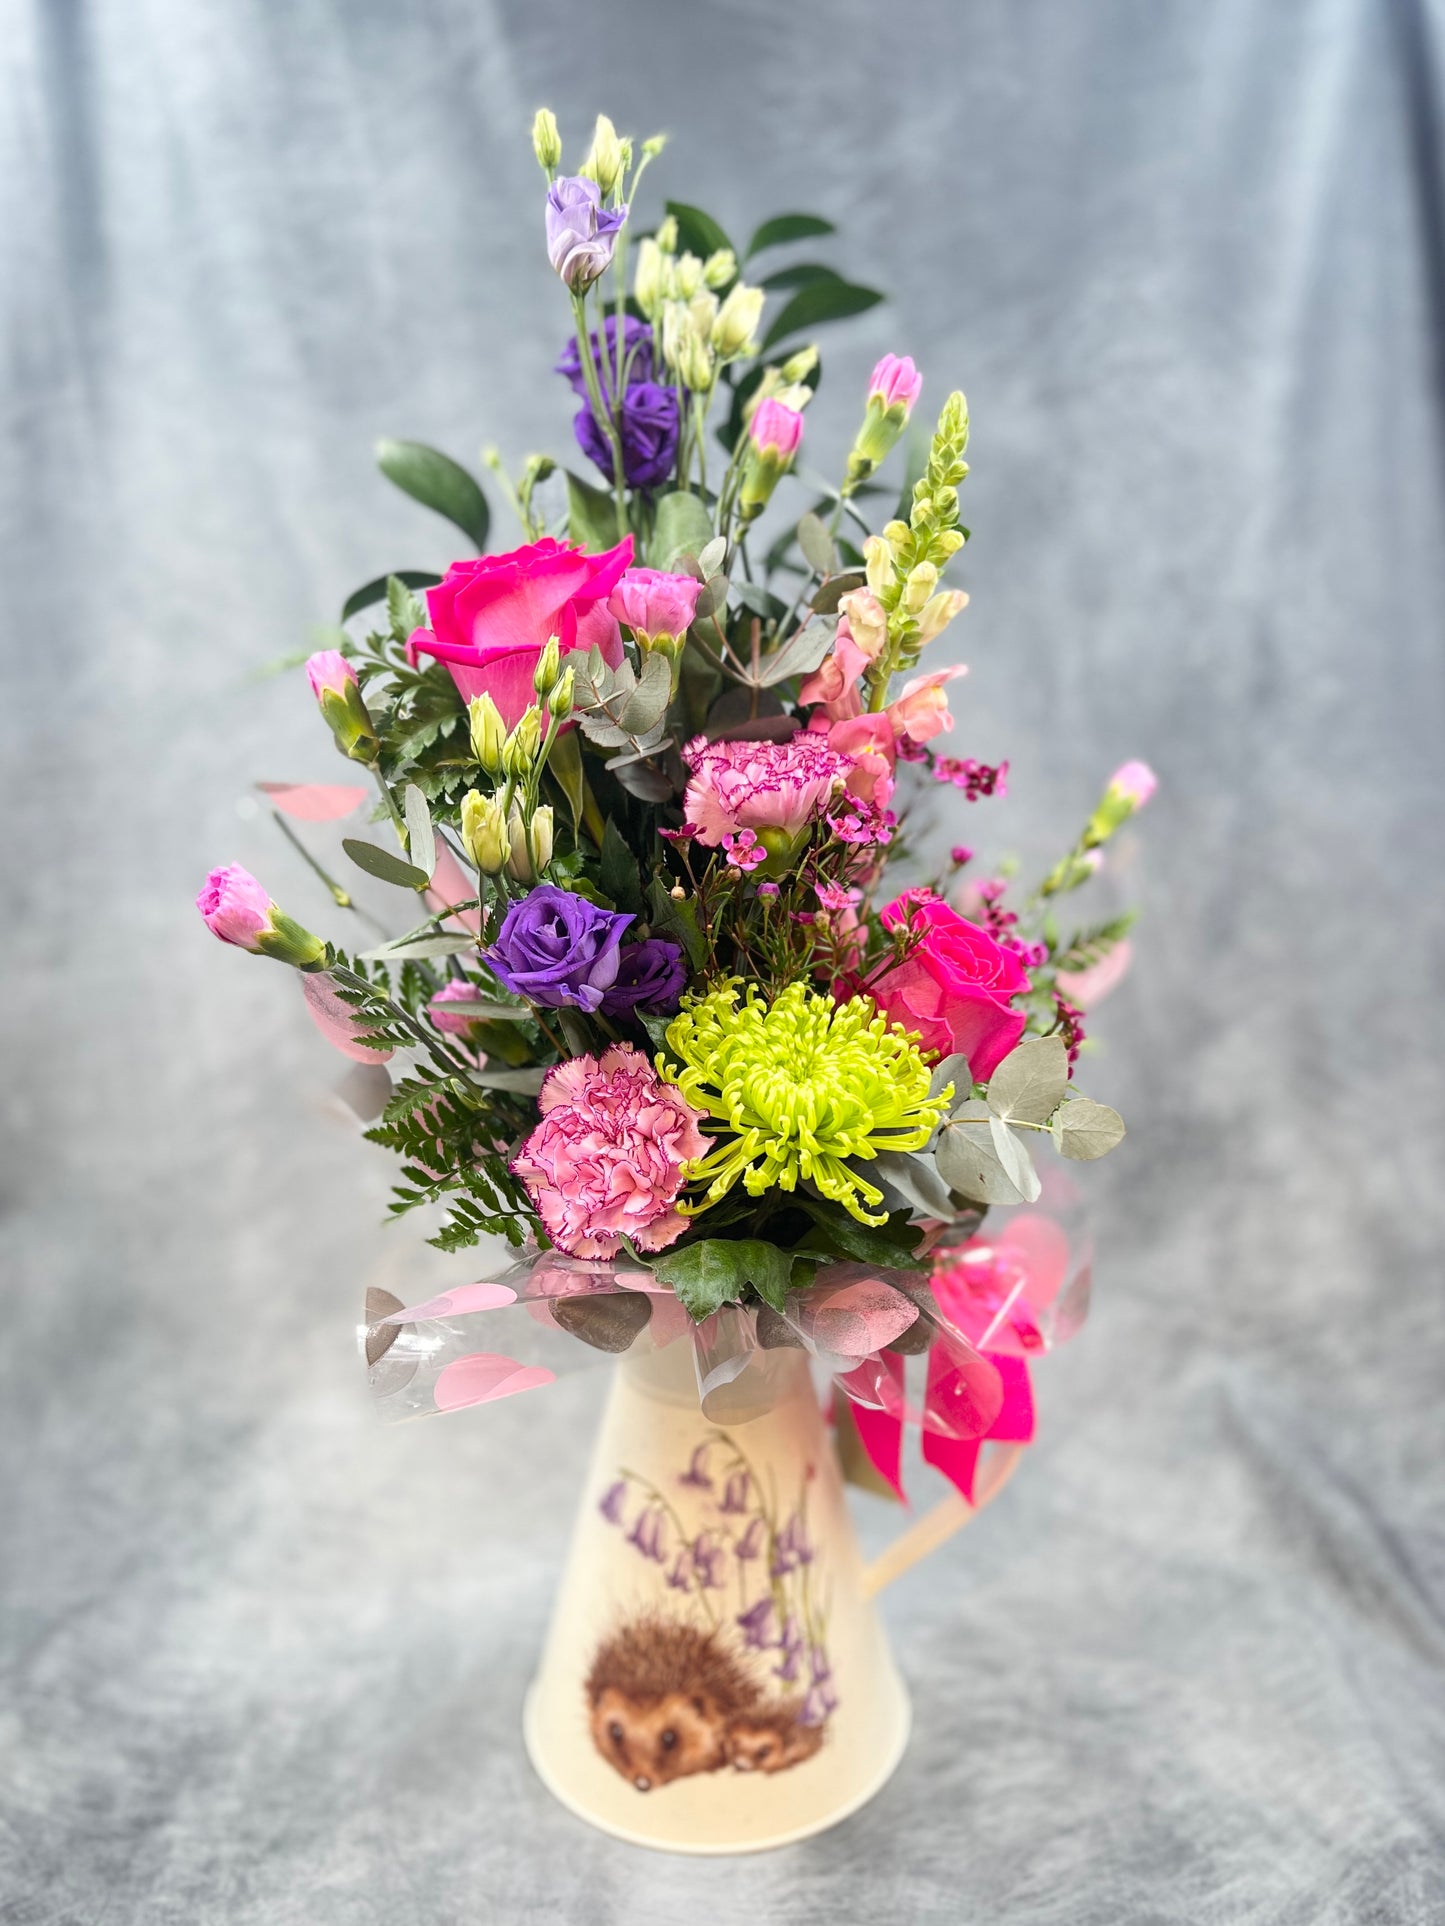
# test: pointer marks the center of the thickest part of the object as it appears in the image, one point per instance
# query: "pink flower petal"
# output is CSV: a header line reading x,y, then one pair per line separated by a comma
x,y
483,1296
335,1019
483,1376
860,1319
314,802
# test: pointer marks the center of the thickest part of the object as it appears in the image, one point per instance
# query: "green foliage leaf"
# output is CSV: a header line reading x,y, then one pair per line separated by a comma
x,y
1084,1129
968,1161
437,482
783,228
1032,1080
766,1268
712,555
647,704
421,841
683,527
617,872
676,920
799,275
836,1232
801,653
565,765
818,302
831,593
1015,1159
952,1070
443,943
381,863
705,1275
915,1177
699,233
591,515
1091,946
373,592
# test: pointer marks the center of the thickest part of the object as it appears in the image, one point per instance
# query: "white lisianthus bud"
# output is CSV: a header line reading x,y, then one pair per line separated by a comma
x,y
546,141
559,703
523,743
648,278
519,857
686,276
549,667
653,146
604,162
667,235
539,838
489,734
484,831
799,366
736,323
718,269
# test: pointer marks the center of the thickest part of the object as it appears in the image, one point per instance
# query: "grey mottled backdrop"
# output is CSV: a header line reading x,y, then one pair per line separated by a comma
x,y
262,1659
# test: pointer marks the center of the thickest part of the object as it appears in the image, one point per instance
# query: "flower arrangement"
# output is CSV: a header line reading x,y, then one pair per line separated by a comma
x,y
679,988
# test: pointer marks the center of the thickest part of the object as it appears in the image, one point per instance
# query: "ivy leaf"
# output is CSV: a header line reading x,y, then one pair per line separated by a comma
x,y
437,482
591,515
683,527
421,842
1032,1080
783,228
1084,1129
618,871
381,863
837,1231
820,301
377,591
801,653
705,1275
817,544
676,920
697,232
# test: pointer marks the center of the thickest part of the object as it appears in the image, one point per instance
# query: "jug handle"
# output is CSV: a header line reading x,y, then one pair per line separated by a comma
x,y
933,1529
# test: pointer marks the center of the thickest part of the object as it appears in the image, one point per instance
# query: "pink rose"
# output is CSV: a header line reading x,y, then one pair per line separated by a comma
x,y
655,604
608,1158
490,618
954,987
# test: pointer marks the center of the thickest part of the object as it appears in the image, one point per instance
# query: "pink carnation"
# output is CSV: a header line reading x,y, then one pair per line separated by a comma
x,y
607,1160
760,785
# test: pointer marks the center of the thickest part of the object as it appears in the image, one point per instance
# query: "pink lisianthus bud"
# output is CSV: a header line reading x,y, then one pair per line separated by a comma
x,y
776,429
338,695
921,712
656,606
237,909
896,383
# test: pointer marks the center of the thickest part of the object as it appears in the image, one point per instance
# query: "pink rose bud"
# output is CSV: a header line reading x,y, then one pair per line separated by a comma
x,y
657,607
776,429
338,695
237,909
896,383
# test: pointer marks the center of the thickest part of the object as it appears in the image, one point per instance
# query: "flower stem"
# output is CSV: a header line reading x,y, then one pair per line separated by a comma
x,y
600,410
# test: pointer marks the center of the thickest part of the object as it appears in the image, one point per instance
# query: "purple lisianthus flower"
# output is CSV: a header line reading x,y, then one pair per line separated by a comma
x,y
581,232
649,980
555,948
636,356
647,425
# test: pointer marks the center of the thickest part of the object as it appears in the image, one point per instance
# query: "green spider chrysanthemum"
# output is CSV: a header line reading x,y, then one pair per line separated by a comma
x,y
796,1087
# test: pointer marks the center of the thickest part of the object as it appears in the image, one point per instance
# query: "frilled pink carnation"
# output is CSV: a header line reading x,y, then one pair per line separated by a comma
x,y
607,1159
760,785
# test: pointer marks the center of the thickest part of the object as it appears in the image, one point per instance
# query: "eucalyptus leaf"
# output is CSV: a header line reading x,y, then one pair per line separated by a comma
x,y
952,1070
713,597
683,527
916,1179
373,592
1013,1155
640,779
647,704
818,302
1032,1080
816,544
648,746
381,863
831,593
421,842
591,515
437,482
783,228
712,555
967,1161
1084,1129
801,653
607,735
